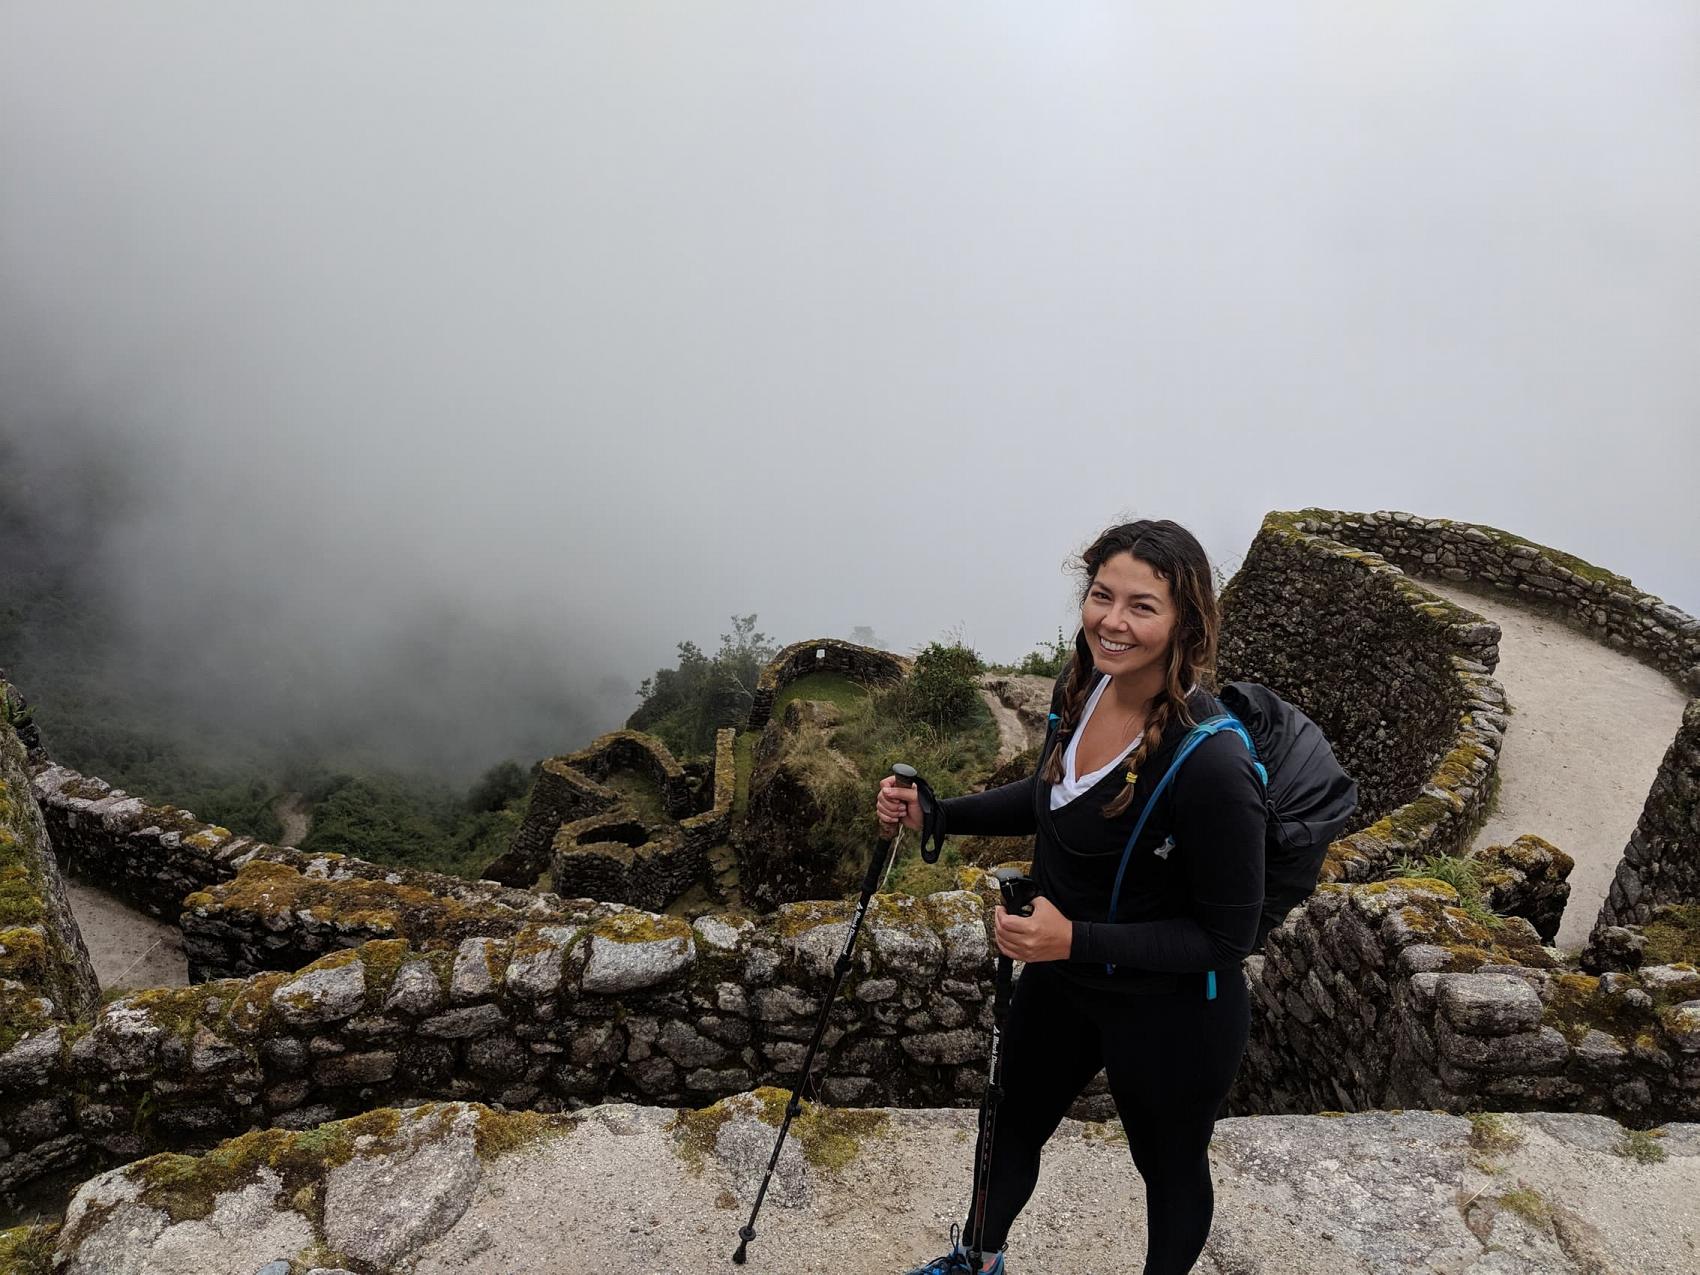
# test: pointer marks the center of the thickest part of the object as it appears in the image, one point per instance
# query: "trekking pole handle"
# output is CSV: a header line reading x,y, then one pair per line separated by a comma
x,y
905,776
1018,891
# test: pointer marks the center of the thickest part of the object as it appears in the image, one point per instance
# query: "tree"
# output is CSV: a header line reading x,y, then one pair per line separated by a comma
x,y
684,706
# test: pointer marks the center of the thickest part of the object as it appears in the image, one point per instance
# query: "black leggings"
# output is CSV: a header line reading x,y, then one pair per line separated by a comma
x,y
1170,1058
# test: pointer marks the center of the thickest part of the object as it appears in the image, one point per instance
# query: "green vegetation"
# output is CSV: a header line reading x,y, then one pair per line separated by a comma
x,y
684,706
416,822
27,1250
1528,1203
941,690
829,1137
1491,1135
1048,659
1642,1146
833,688
1673,935
1463,875
877,731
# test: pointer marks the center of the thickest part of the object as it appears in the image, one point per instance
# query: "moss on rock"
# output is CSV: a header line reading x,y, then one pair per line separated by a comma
x,y
829,1137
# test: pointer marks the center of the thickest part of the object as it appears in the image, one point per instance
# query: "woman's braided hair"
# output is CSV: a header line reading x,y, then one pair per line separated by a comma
x,y
1172,552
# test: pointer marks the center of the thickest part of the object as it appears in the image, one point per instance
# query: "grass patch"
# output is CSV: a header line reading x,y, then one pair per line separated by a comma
x,y
642,794
1463,875
1642,1146
1528,1203
27,1250
743,761
1491,1135
834,688
1673,935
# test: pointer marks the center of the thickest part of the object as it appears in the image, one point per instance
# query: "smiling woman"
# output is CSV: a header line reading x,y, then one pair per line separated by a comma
x,y
1102,982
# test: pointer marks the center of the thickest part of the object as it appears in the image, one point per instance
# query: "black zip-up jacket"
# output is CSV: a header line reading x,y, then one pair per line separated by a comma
x,y
1193,891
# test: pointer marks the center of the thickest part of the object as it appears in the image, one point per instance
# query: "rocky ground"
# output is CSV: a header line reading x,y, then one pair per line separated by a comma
x,y
1589,728
622,1189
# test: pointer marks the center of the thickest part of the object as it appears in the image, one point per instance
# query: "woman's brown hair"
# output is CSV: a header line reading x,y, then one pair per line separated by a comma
x,y
1175,555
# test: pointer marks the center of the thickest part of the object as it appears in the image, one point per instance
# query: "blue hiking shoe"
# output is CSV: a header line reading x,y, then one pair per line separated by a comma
x,y
957,1261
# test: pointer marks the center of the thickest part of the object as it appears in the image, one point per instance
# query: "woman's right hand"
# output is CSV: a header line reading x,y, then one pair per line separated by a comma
x,y
897,804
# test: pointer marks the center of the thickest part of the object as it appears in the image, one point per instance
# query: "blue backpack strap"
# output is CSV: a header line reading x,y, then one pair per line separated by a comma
x,y
1196,736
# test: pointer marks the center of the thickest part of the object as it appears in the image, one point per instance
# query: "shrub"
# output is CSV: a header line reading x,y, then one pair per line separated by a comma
x,y
1048,659
941,690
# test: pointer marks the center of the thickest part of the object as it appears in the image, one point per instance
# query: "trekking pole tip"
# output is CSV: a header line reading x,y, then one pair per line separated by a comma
x,y
745,1235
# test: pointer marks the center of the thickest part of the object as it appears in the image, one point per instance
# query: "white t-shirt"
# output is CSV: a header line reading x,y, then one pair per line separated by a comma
x,y
1072,785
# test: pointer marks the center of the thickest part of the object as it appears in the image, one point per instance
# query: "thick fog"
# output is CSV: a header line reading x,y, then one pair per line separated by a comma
x,y
460,360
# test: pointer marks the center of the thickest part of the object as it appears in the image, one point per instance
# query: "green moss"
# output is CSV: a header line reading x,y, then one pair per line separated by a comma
x,y
27,1250
641,927
695,1133
1528,1203
186,1187
793,919
179,1010
743,760
20,897
382,908
501,1133
829,1137
1642,1145
1491,1134
1673,935
1575,1004
23,954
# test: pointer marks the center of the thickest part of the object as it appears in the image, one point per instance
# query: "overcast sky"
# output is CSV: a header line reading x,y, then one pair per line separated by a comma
x,y
581,327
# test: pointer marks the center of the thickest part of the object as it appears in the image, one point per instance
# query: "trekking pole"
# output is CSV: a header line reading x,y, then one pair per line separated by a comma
x,y
1018,893
907,778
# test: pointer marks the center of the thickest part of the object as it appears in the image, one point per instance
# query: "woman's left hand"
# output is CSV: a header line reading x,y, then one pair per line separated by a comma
x,y
1047,935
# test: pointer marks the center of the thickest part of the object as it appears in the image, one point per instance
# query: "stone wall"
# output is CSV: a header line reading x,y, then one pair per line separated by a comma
x,y
1391,995
573,787
615,857
865,664
1529,878
1399,680
552,1016
1661,864
1595,601
285,909
150,856
45,973
46,978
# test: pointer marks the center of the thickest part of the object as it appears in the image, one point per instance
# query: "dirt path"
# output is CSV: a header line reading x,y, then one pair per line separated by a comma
x,y
1012,736
129,948
295,815
1588,729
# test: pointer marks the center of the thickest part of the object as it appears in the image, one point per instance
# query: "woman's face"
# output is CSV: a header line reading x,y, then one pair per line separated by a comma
x,y
1128,606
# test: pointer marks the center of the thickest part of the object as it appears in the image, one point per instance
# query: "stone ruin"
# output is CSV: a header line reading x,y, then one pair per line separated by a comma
x,y
325,986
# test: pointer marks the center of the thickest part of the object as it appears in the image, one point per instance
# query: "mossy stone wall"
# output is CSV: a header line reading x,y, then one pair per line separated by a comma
x,y
555,1015
573,786
1600,603
1661,864
1399,680
1390,995
864,664
659,867
46,978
